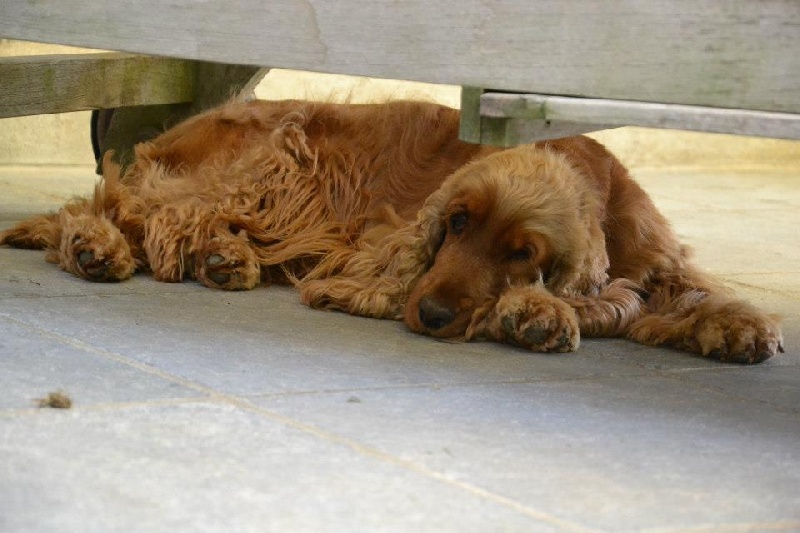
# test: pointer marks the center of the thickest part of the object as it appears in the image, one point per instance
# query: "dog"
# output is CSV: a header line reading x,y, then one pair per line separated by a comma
x,y
379,210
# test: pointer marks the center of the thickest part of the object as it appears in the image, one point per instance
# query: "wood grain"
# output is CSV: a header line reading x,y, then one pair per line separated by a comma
x,y
509,119
736,54
32,85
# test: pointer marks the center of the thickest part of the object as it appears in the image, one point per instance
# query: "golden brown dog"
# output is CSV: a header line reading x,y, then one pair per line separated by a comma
x,y
379,210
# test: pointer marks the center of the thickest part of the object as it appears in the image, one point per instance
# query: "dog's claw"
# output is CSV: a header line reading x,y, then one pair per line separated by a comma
x,y
96,271
93,268
214,260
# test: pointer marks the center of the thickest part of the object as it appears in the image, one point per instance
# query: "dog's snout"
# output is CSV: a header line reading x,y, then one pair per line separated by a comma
x,y
434,315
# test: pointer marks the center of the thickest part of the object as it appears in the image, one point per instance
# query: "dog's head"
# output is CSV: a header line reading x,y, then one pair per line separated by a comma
x,y
521,216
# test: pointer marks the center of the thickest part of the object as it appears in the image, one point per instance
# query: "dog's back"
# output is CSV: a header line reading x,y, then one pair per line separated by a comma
x,y
403,149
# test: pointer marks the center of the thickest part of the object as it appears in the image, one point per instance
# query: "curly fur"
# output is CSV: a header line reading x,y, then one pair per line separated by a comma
x,y
379,210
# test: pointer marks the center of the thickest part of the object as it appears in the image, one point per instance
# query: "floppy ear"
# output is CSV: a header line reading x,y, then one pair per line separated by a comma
x,y
376,280
430,225
417,244
583,269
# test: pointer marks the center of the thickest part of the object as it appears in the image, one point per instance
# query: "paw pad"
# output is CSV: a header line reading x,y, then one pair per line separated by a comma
x,y
536,335
220,278
93,267
231,270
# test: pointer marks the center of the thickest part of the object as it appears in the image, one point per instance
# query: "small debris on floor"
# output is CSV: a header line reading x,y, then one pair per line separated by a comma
x,y
55,400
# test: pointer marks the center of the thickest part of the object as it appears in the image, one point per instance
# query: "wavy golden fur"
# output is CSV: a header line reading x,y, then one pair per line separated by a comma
x,y
379,210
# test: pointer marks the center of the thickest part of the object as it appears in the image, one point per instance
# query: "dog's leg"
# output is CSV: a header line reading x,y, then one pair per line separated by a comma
x,y
80,238
690,312
93,234
532,317
610,312
189,238
37,233
372,297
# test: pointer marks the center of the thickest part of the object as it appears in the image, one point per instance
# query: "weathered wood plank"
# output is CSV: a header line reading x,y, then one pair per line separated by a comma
x,y
508,119
736,54
471,120
32,85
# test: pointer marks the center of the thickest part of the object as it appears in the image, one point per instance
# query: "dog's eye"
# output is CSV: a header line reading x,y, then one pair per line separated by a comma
x,y
523,254
458,222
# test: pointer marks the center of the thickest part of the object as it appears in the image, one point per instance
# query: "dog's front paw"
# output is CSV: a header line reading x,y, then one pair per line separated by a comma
x,y
228,264
739,333
94,249
533,318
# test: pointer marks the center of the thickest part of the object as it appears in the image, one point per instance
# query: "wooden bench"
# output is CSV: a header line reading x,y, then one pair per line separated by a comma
x,y
530,69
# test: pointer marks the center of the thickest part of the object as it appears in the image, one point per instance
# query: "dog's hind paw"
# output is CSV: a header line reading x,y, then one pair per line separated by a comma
x,y
534,319
228,264
94,249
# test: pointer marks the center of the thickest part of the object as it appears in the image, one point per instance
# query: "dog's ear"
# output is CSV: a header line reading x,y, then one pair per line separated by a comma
x,y
582,268
410,251
430,227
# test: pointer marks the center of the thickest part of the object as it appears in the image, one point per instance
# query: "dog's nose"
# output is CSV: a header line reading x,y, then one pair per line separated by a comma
x,y
434,315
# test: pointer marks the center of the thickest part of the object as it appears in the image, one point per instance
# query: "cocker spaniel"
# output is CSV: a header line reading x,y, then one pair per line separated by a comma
x,y
381,211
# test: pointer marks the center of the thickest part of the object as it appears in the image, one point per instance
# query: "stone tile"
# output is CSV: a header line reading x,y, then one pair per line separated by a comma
x,y
33,364
387,430
737,221
769,384
722,189
745,241
614,454
266,341
781,284
213,467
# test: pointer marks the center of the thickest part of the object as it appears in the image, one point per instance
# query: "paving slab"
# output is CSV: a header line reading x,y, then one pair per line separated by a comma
x,y
618,454
216,467
736,220
765,188
34,364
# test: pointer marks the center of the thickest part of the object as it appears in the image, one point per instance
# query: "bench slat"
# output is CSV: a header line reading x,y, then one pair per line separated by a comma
x,y
736,54
508,119
32,85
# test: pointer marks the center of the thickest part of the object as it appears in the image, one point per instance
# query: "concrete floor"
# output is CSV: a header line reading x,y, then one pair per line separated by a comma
x,y
196,410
